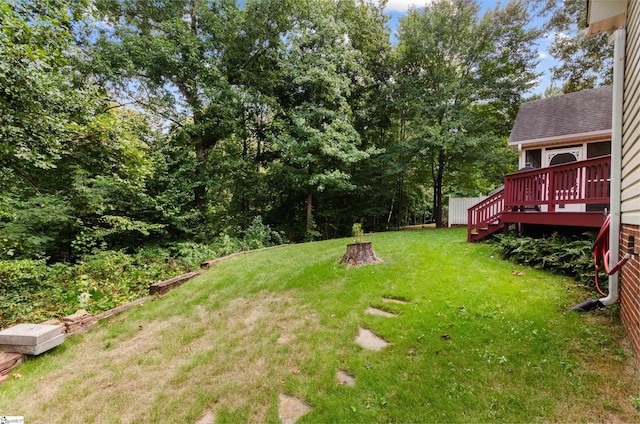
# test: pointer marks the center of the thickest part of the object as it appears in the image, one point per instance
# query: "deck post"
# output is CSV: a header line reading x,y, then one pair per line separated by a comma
x,y
552,191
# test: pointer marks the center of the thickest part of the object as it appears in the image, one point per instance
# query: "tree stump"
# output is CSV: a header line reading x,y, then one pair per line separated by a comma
x,y
359,254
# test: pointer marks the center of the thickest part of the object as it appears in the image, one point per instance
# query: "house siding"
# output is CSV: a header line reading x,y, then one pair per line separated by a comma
x,y
630,187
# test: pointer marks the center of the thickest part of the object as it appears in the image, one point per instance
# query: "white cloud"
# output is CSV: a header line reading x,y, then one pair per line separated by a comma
x,y
542,55
403,5
550,36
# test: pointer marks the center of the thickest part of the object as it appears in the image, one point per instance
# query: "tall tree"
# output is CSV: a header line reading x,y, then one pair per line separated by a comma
x,y
67,159
585,62
460,80
43,102
314,127
170,58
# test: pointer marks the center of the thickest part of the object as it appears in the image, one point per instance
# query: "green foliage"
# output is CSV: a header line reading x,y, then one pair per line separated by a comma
x,y
259,235
31,290
556,253
583,62
357,232
314,130
71,164
27,291
460,79
21,275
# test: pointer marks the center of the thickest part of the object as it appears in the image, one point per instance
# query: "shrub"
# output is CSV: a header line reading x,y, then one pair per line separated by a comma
x,y
557,254
21,275
259,235
32,291
357,232
226,245
192,254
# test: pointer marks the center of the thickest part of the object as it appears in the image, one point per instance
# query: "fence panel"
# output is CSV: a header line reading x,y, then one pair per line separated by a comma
x,y
458,208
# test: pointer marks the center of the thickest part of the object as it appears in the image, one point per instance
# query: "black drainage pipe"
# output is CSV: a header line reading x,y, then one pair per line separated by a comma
x,y
588,305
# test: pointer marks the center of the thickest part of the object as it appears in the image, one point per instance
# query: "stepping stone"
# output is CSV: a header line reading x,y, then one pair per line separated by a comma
x,y
379,312
345,378
291,409
30,339
394,300
207,418
370,341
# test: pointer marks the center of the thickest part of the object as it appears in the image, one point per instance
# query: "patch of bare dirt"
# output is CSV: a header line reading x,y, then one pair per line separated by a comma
x,y
207,418
202,356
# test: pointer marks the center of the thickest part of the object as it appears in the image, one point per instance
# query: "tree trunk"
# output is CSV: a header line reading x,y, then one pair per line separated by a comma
x,y
309,209
437,190
200,189
360,254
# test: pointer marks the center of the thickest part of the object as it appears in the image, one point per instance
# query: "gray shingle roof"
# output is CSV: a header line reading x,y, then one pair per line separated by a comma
x,y
574,113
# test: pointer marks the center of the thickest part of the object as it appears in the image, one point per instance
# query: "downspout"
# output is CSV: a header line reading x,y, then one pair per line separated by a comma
x,y
619,46
522,160
619,40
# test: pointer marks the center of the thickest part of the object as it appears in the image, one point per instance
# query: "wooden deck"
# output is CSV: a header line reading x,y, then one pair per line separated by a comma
x,y
572,194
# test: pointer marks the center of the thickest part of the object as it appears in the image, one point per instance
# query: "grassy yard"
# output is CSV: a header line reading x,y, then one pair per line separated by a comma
x,y
479,340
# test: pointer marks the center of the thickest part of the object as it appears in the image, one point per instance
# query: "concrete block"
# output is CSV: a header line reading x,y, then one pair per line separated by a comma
x,y
34,350
29,334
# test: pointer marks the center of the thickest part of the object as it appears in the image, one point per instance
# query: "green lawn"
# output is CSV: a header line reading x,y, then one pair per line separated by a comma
x,y
285,320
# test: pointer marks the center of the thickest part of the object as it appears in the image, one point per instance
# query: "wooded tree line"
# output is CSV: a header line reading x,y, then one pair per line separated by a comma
x,y
131,122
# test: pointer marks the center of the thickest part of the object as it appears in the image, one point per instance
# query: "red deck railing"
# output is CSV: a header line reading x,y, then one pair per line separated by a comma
x,y
483,214
545,191
584,182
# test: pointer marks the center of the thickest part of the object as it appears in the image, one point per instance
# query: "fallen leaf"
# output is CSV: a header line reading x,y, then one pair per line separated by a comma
x,y
16,375
342,382
139,327
295,371
446,336
342,358
518,273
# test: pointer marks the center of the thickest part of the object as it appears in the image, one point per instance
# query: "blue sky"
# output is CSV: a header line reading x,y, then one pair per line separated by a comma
x,y
398,8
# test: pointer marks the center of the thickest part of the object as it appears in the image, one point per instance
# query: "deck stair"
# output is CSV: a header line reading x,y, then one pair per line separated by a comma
x,y
485,218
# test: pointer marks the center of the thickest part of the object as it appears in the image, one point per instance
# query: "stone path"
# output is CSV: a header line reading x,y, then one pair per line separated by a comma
x,y
396,300
290,408
379,312
370,341
344,378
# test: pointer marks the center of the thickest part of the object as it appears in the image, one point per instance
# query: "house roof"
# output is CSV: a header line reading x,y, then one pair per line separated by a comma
x,y
583,112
